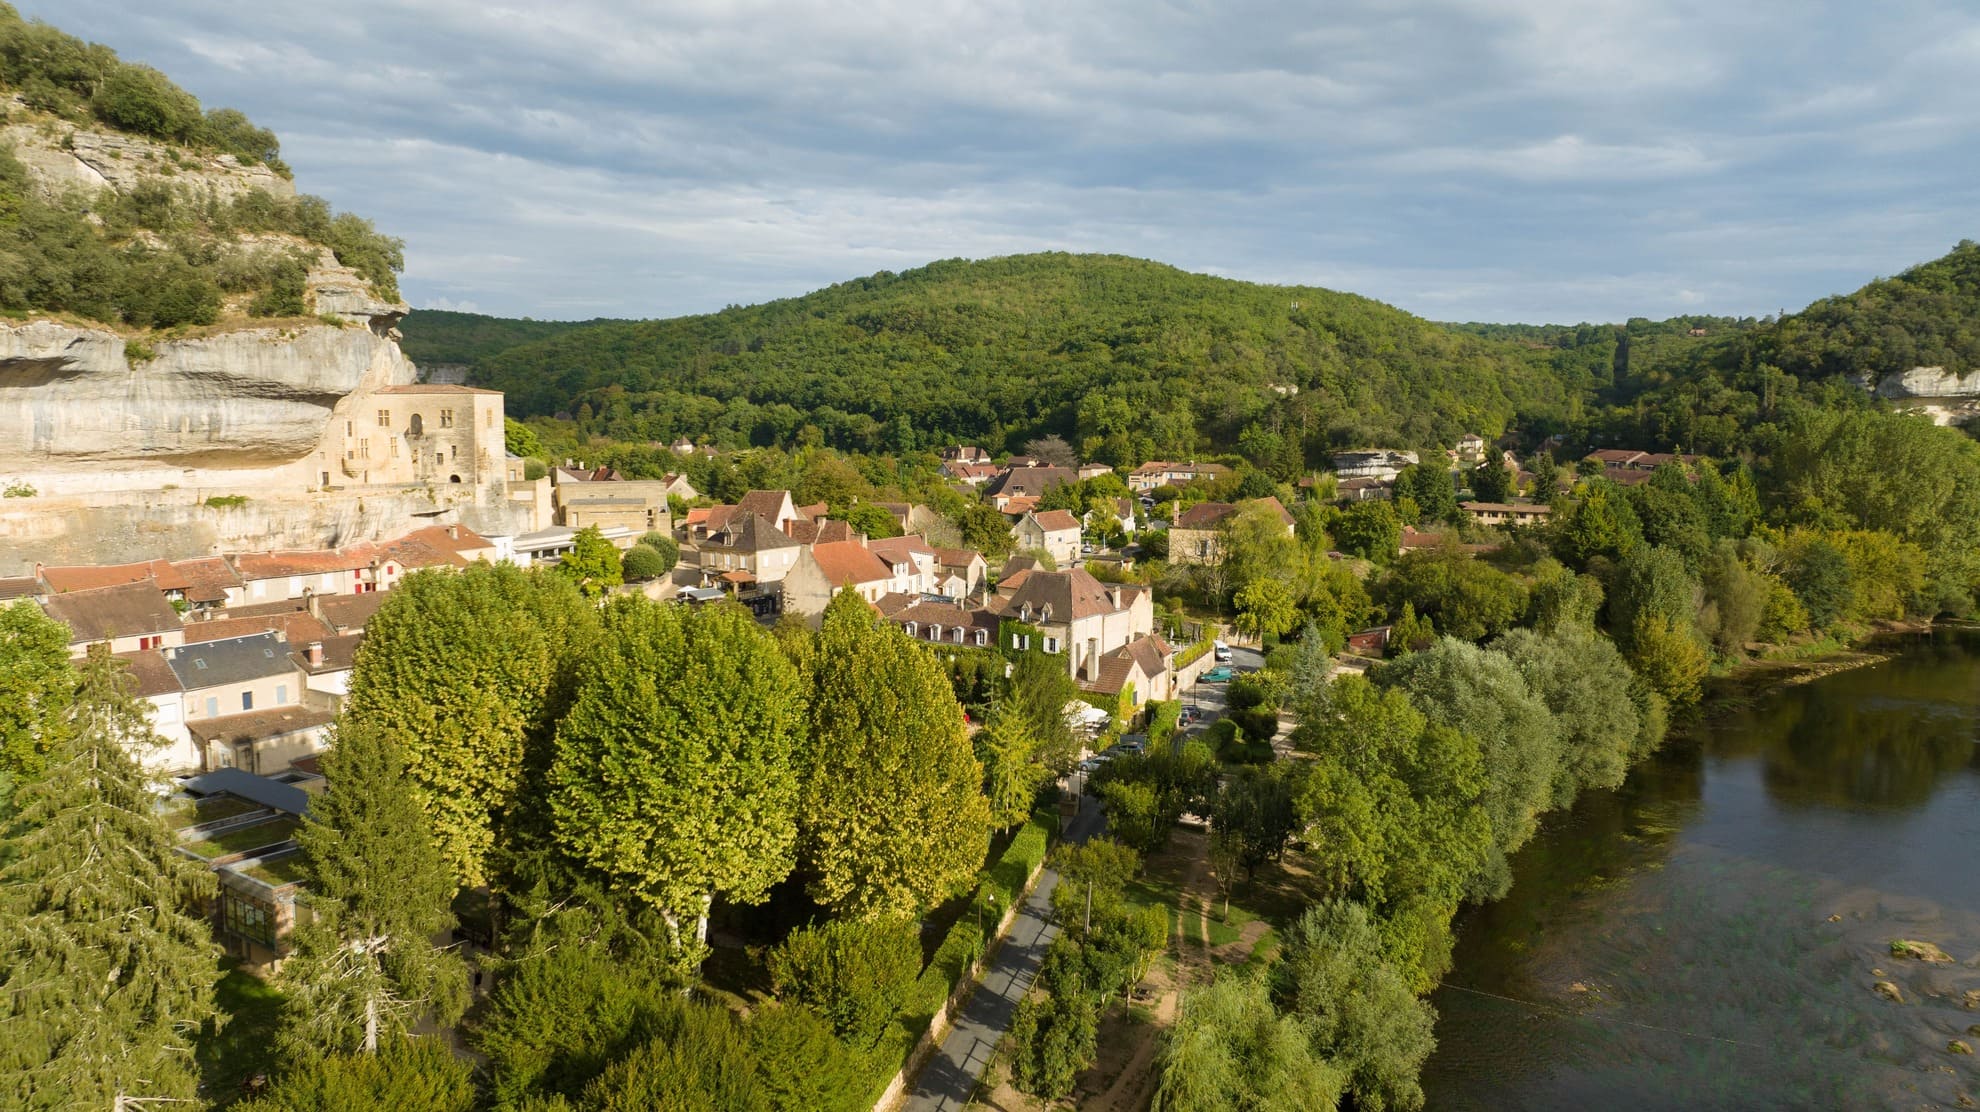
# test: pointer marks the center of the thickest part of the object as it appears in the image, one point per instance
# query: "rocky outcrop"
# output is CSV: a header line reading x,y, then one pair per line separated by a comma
x,y
1929,382
60,156
74,403
1919,951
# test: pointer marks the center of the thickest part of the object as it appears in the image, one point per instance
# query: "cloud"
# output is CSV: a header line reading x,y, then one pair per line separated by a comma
x,y
1489,159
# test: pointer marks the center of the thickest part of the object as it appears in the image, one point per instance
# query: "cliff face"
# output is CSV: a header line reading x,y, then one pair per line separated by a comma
x,y
1948,398
75,409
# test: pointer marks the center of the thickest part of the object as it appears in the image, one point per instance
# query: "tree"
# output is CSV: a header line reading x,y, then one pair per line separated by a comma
x,y
366,969
1482,695
1491,481
470,671
803,1066
854,973
1265,608
892,816
1038,692
1666,653
1360,1012
1255,808
1735,600
642,562
36,685
1599,522
674,779
1231,1051
695,1058
985,530
871,520
104,973
1256,545
1370,530
1467,598
520,439
1431,488
1562,598
1652,582
406,1075
139,98
1012,772
1821,579
1585,683
1052,451
592,563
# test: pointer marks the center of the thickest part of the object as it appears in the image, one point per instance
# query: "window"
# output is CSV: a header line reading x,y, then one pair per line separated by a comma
x,y
912,628
982,638
281,694
489,419
384,418
212,706
247,700
347,428
1021,642
199,662
1051,644
395,447
150,642
934,633
364,449
246,918
446,418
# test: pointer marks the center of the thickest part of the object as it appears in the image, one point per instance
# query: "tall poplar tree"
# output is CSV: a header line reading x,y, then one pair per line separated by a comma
x,y
105,975
893,816
674,780
470,671
368,968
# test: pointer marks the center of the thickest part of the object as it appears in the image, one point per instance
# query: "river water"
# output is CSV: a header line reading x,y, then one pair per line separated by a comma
x,y
1708,935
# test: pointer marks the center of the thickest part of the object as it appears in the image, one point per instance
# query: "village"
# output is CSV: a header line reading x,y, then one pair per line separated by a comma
x,y
243,660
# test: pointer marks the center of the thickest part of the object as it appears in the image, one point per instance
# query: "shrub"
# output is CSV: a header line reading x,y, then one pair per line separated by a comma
x,y
802,1065
854,973
642,562
226,501
140,99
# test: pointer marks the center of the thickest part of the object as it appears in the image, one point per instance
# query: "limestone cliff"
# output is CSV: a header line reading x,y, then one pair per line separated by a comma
x,y
1948,397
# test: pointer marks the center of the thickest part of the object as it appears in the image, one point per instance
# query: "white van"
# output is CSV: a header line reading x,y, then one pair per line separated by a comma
x,y
1221,652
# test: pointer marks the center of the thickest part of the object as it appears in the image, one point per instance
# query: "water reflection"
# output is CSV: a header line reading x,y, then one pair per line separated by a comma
x,y
1670,944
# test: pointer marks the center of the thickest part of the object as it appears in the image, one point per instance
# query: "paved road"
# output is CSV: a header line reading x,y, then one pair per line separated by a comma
x,y
948,1081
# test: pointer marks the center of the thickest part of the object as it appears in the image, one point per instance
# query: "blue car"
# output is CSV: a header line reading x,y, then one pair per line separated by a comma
x,y
1219,674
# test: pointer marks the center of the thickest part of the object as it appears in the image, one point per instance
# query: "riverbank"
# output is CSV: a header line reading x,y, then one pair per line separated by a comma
x,y
1744,684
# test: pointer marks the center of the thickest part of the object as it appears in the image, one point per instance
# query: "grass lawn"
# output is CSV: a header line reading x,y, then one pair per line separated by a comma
x,y
278,872
243,838
245,1046
192,812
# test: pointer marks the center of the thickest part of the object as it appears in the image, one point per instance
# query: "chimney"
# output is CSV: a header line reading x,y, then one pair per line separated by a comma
x,y
1093,660
314,654
313,603
454,532
1114,596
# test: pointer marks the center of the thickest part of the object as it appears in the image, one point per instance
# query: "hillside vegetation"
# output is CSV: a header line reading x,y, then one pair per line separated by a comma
x,y
443,336
1126,358
165,252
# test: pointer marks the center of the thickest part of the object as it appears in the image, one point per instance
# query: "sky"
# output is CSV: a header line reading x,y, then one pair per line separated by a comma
x,y
1505,160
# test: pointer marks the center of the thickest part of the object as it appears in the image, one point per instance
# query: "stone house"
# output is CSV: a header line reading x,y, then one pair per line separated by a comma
x,y
823,570
131,617
244,703
1197,536
1025,482
1508,513
423,433
747,548
1075,616
1160,473
1053,531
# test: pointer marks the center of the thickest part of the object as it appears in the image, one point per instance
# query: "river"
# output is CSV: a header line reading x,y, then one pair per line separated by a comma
x,y
1709,934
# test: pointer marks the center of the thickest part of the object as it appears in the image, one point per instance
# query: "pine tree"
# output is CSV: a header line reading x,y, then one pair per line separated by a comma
x,y
674,780
36,682
104,975
893,817
367,967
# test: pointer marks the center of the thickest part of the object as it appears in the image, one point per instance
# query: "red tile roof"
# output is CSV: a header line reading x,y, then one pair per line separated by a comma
x,y
130,610
850,562
89,577
207,579
150,674
1056,521
281,565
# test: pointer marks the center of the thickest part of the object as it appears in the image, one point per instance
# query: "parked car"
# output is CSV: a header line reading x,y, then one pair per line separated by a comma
x,y
1220,674
1220,651
1188,715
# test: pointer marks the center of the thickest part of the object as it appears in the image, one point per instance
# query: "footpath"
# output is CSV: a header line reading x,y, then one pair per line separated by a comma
x,y
948,1082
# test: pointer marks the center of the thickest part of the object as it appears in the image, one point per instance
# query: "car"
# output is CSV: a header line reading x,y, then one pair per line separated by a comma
x,y
1130,747
1090,764
1220,651
1220,674
1188,715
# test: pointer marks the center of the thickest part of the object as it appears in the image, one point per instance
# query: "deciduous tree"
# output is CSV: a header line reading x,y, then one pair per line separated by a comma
x,y
675,780
36,686
892,816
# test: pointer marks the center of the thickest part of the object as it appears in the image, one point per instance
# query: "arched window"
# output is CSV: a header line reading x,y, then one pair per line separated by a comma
x,y
416,427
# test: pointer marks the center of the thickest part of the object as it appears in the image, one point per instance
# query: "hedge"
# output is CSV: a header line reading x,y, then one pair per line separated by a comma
x,y
963,944
1194,653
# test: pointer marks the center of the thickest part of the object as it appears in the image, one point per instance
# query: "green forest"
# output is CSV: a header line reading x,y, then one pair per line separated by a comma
x,y
1126,359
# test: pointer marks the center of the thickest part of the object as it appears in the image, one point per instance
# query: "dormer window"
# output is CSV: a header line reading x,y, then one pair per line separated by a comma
x,y
912,627
935,633
982,638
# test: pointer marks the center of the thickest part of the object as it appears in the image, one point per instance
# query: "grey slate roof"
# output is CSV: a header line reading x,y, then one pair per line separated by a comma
x,y
234,660
255,789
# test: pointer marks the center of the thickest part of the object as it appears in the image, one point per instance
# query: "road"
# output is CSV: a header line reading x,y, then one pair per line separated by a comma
x,y
949,1080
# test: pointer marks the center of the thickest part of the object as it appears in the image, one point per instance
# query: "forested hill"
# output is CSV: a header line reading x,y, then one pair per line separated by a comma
x,y
1126,358
444,336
